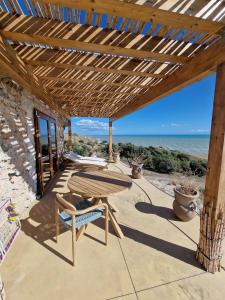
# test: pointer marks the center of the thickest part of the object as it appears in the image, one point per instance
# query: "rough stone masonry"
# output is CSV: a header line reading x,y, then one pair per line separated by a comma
x,y
18,177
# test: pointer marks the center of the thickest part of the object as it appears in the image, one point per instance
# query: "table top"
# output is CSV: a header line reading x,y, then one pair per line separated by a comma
x,y
98,183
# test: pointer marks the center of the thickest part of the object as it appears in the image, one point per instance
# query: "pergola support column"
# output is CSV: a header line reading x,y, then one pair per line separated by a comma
x,y
212,220
70,142
110,141
2,290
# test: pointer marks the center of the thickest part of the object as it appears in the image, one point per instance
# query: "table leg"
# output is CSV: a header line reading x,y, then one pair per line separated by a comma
x,y
96,201
114,208
112,218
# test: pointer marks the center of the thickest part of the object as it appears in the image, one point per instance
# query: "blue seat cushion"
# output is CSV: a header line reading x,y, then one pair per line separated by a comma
x,y
82,219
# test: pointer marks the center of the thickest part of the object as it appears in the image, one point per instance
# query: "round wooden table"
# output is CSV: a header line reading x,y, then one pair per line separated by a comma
x,y
99,185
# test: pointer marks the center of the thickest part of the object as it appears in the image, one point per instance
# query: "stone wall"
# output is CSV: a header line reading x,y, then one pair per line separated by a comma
x,y
18,178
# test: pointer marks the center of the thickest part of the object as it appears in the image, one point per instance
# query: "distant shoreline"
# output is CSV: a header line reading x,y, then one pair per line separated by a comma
x,y
188,135
192,144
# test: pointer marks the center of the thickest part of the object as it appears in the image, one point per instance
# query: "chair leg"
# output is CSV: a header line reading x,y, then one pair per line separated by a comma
x,y
81,231
106,225
73,244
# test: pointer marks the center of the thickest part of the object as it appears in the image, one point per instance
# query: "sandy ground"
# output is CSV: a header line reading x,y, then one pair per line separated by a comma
x,y
167,182
155,259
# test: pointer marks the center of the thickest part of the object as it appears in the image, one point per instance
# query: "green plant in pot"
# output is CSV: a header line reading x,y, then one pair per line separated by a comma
x,y
185,203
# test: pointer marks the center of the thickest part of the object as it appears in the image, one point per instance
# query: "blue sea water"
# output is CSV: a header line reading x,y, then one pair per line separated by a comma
x,y
192,144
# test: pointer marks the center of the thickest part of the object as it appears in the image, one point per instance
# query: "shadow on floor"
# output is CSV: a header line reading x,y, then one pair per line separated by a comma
x,y
43,213
40,226
162,212
177,251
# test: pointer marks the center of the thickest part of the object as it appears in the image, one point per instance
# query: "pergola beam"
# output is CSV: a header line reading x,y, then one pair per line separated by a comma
x,y
74,100
38,63
198,67
13,66
142,13
92,47
85,91
105,83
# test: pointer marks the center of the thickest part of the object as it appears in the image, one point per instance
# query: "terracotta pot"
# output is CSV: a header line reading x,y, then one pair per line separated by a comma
x,y
116,156
137,171
185,205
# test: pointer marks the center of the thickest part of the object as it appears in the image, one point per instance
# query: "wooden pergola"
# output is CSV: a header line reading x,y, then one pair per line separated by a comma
x,y
110,58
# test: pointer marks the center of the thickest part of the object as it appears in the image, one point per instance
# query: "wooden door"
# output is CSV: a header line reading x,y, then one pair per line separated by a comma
x,y
46,150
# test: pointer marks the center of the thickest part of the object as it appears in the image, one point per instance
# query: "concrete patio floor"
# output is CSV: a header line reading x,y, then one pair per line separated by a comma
x,y
156,258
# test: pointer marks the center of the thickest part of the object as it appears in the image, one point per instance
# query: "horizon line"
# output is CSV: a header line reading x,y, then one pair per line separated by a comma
x,y
147,134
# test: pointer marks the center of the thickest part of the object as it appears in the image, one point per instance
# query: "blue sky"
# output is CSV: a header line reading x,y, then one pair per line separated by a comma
x,y
187,111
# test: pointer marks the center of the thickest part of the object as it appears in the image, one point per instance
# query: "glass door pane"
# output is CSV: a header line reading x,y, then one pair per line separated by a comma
x,y
54,146
44,149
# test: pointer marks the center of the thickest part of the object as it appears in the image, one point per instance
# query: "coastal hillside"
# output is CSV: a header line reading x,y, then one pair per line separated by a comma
x,y
156,159
162,167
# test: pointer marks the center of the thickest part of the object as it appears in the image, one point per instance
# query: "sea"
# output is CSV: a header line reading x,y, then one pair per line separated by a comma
x,y
196,145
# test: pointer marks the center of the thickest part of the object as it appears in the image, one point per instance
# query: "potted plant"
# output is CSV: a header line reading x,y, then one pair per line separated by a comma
x,y
116,153
136,162
186,194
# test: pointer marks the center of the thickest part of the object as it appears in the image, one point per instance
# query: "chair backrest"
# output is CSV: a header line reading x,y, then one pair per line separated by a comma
x,y
63,204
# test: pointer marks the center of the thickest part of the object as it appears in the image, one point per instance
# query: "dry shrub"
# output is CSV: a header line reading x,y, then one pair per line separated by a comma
x,y
188,186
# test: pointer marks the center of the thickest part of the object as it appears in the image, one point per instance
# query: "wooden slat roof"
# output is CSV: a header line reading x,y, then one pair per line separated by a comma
x,y
109,58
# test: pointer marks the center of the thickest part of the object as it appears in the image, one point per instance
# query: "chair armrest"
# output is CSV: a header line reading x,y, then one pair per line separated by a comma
x,y
84,211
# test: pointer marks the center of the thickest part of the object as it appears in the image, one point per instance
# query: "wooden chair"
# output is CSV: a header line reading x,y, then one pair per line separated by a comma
x,y
77,217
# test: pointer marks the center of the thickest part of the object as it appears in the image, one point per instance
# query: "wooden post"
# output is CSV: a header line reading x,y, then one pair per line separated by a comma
x,y
2,290
110,141
212,221
70,142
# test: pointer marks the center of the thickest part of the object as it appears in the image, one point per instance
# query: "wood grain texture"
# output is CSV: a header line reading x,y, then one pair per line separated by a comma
x,y
12,65
215,179
142,13
197,68
212,222
98,183
91,47
124,64
92,69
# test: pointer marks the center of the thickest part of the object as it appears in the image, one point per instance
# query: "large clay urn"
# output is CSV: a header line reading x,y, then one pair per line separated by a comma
x,y
137,171
185,205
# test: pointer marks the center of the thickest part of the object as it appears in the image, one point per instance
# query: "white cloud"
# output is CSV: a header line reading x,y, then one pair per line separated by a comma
x,y
200,131
88,124
173,125
178,125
